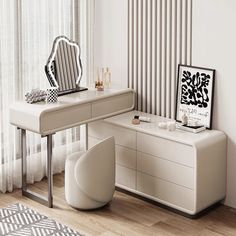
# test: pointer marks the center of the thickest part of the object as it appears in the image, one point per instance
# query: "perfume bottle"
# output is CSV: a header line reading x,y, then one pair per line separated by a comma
x,y
184,119
104,76
109,78
136,120
99,82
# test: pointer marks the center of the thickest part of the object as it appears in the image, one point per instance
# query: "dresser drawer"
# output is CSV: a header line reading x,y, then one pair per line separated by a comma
x,y
124,156
125,176
166,149
123,137
165,191
166,170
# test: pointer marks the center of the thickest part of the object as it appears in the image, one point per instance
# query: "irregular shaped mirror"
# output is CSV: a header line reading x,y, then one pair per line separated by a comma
x,y
64,67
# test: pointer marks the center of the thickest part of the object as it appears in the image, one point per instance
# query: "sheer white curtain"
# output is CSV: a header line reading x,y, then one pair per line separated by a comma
x,y
27,31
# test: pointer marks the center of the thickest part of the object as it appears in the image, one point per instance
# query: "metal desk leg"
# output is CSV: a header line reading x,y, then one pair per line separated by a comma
x,y
86,136
24,160
27,193
49,170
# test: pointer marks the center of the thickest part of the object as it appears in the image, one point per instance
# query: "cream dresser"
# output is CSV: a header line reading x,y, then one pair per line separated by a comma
x,y
181,170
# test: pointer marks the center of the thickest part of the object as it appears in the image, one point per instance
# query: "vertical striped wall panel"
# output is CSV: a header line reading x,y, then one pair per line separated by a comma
x,y
159,38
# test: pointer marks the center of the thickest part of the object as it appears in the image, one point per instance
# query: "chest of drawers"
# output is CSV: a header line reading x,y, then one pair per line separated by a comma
x,y
181,170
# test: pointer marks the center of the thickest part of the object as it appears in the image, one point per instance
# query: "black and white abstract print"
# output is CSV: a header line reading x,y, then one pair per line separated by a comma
x,y
195,94
194,89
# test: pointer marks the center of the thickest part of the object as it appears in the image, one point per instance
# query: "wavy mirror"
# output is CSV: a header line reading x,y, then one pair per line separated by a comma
x,y
64,67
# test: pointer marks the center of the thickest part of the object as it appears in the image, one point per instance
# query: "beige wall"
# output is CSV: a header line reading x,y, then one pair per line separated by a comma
x,y
214,46
110,39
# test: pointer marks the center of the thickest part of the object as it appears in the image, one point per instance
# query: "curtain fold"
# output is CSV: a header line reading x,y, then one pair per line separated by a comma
x,y
27,31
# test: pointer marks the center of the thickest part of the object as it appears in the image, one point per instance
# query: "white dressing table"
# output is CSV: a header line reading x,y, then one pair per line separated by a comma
x,y
70,111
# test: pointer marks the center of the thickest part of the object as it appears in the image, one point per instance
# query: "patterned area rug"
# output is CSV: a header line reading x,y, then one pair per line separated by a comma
x,y
18,220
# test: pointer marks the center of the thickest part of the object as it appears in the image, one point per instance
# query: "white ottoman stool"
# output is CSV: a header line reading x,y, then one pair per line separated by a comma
x,y
90,176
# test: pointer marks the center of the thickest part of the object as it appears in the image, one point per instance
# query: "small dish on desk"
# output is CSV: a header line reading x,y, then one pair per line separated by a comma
x,y
191,128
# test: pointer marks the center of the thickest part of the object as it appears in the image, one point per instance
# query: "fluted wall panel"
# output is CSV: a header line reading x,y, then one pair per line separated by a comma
x,y
159,38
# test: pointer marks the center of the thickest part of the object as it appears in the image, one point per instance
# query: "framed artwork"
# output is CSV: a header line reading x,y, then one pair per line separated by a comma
x,y
195,92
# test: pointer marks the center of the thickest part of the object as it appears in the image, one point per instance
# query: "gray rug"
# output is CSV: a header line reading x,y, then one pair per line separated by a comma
x,y
18,220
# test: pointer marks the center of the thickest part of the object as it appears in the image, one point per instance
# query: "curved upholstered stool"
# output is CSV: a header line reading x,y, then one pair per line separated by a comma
x,y
90,176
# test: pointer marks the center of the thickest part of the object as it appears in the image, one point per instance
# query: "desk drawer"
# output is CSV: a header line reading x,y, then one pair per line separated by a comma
x,y
166,170
165,191
123,137
65,118
112,104
166,149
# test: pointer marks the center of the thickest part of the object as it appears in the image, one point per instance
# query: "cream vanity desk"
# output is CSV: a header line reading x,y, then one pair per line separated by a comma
x,y
71,110
181,170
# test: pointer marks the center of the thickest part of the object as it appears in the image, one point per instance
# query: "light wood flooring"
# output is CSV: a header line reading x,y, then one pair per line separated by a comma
x,y
126,215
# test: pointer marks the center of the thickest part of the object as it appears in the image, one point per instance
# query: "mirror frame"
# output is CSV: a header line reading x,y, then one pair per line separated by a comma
x,y
48,67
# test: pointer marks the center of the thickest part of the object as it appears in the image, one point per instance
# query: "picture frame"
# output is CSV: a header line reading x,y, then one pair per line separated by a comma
x,y
195,94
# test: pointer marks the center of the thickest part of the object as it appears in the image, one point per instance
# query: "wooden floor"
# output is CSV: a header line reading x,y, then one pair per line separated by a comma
x,y
126,215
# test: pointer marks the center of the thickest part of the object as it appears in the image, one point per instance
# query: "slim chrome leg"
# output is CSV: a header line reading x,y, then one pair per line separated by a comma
x,y
23,159
86,136
49,170
27,193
